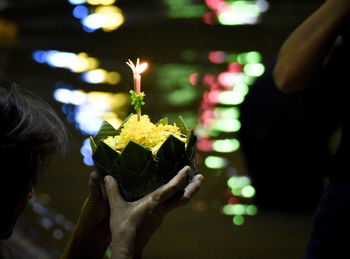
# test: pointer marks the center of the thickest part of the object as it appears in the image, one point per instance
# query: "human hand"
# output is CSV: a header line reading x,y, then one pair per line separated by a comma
x,y
91,235
133,223
95,211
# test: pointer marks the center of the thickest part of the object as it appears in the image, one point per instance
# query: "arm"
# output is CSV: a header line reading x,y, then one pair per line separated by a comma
x,y
91,235
306,50
133,223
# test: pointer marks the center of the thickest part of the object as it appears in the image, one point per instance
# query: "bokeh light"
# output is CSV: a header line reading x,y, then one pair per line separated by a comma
x,y
104,14
238,220
226,145
215,162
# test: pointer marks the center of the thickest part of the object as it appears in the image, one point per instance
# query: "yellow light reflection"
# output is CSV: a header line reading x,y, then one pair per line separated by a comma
x,y
103,99
93,63
100,2
112,119
112,107
112,15
83,63
107,2
95,76
113,78
93,2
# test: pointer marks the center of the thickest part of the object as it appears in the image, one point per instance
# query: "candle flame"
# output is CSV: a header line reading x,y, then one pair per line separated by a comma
x,y
139,68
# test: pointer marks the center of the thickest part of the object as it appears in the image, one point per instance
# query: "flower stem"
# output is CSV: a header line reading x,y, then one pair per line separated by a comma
x,y
137,102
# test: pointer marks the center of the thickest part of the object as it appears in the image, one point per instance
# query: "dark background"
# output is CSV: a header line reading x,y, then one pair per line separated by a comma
x,y
284,146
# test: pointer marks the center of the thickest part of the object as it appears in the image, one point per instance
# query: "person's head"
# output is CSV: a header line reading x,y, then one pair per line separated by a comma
x,y
30,131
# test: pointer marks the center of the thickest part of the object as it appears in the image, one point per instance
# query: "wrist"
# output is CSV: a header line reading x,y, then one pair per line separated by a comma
x,y
83,244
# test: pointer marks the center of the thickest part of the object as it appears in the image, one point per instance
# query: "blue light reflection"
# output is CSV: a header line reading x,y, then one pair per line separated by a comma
x,y
80,12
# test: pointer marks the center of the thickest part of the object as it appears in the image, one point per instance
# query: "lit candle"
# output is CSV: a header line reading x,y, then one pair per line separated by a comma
x,y
137,96
137,70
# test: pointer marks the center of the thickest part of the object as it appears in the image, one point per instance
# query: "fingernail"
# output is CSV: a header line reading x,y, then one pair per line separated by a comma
x,y
186,171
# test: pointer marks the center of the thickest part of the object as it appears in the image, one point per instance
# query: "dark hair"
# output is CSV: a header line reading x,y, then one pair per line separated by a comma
x,y
30,132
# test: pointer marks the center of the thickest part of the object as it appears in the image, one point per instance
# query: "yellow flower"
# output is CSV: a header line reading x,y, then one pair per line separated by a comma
x,y
110,141
144,133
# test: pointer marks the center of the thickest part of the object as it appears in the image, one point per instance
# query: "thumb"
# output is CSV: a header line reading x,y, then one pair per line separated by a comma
x,y
113,194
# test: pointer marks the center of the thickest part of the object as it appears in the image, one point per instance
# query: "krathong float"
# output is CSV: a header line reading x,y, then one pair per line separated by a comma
x,y
141,155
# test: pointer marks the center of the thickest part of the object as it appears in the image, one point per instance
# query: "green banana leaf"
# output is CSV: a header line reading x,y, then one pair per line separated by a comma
x,y
137,171
163,121
182,126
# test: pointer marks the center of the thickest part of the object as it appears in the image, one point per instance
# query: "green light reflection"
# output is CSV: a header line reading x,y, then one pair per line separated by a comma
x,y
182,96
231,98
249,80
226,145
227,112
227,125
248,191
173,80
238,220
254,69
175,76
192,11
214,133
234,209
184,9
241,88
238,181
252,57
215,162
241,12
252,210
231,57
236,191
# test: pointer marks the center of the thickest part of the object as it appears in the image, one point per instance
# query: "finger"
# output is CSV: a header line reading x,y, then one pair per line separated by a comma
x,y
113,194
164,192
95,189
190,190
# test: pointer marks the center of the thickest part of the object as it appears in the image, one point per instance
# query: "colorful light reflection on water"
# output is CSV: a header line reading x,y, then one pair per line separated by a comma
x,y
98,14
217,122
232,12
